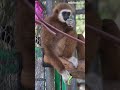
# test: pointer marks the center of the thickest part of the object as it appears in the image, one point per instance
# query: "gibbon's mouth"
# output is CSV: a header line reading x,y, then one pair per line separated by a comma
x,y
66,18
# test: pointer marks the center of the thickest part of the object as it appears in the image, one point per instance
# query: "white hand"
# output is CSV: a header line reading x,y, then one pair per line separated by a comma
x,y
70,22
74,61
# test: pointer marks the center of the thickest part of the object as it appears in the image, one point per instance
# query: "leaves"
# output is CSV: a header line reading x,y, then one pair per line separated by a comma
x,y
80,19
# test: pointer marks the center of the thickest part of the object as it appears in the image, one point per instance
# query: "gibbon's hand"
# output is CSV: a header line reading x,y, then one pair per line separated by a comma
x,y
70,22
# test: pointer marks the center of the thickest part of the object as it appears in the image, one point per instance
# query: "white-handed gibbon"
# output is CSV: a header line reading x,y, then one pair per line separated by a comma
x,y
56,46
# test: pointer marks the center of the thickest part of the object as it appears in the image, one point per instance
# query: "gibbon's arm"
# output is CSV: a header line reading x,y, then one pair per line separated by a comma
x,y
48,43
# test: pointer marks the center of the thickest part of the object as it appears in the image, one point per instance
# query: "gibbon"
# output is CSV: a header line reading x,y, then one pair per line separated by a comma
x,y
56,46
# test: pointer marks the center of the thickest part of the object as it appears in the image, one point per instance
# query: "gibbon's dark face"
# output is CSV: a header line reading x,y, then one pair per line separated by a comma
x,y
64,15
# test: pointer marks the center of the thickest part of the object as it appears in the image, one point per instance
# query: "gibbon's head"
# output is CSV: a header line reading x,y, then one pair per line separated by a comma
x,y
63,11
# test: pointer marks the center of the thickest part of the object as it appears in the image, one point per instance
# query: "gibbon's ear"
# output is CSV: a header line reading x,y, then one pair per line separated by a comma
x,y
55,11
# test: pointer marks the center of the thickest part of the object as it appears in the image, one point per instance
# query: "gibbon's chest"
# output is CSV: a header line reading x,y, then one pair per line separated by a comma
x,y
60,27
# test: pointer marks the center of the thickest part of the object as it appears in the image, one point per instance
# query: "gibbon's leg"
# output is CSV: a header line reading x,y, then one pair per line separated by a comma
x,y
53,59
57,64
70,46
60,46
49,45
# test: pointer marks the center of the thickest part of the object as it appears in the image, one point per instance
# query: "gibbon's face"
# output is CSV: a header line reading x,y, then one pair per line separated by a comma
x,y
64,15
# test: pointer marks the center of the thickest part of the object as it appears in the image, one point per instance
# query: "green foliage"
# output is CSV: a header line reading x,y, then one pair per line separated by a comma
x,y
80,5
80,19
80,23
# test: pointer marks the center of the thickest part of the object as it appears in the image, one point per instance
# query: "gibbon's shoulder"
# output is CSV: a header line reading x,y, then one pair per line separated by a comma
x,y
50,19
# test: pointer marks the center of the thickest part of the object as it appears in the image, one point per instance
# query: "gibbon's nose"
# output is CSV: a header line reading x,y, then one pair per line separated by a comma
x,y
66,15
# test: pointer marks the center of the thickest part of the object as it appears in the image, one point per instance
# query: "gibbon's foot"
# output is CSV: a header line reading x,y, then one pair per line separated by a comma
x,y
66,77
74,61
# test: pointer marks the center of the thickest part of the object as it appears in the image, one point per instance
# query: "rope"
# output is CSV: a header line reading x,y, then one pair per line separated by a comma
x,y
57,30
50,27
100,32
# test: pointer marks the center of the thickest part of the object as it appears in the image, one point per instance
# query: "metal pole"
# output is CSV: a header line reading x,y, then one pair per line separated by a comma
x,y
49,6
49,71
64,87
50,79
57,81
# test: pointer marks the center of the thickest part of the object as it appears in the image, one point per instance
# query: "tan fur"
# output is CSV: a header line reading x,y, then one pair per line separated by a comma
x,y
62,6
59,45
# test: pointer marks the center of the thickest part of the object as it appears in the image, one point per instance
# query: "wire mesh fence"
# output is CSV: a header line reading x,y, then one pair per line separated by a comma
x,y
7,37
10,60
10,65
9,70
40,71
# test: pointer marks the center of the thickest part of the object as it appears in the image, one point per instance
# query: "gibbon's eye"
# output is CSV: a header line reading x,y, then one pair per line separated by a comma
x,y
66,15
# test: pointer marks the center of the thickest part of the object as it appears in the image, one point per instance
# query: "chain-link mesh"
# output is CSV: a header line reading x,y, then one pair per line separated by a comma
x,y
7,23
9,59
6,37
40,80
9,70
